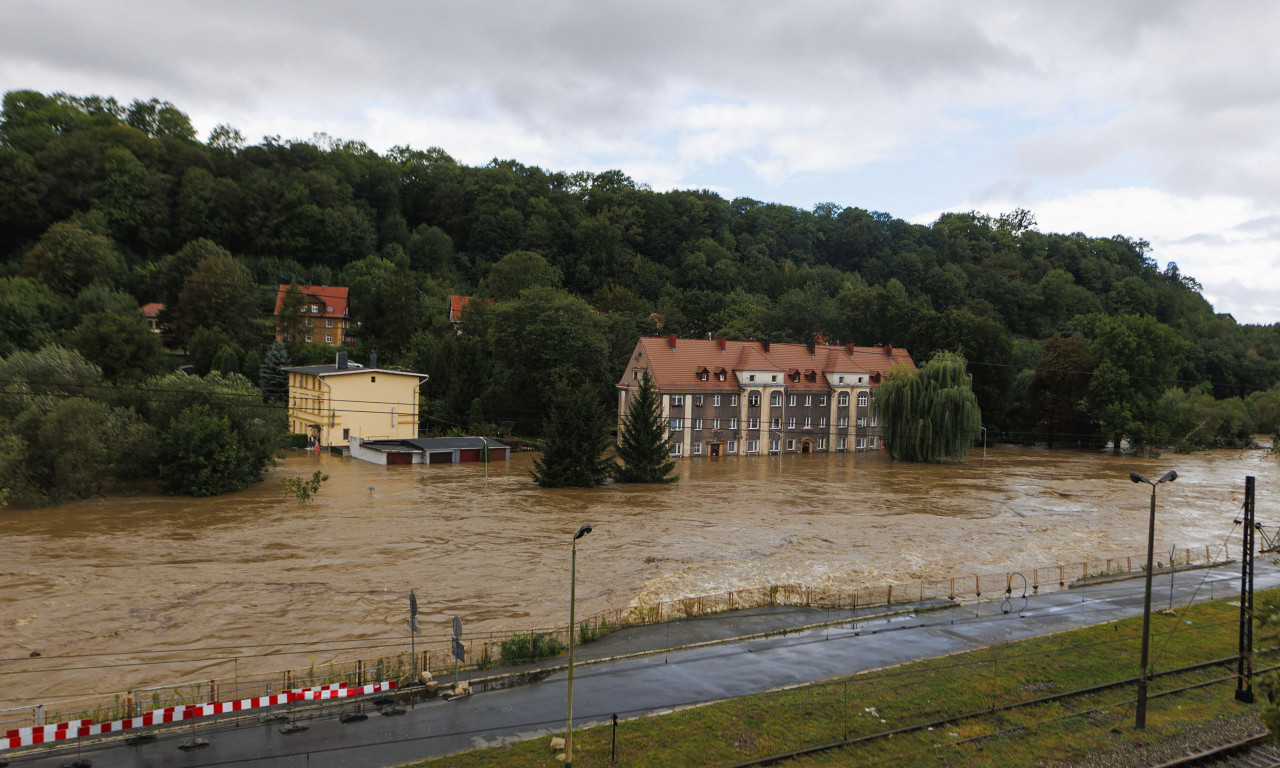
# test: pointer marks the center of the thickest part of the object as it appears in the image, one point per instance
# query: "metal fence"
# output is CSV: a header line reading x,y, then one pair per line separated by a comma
x,y
485,649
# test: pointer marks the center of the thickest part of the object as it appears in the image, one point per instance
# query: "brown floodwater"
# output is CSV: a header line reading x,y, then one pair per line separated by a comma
x,y
125,593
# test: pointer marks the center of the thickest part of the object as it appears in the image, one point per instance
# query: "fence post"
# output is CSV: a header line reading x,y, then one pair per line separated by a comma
x,y
213,690
977,585
1062,577
889,599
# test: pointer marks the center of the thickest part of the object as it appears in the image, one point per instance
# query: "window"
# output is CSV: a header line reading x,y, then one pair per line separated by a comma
x,y
775,377
677,425
775,399
697,449
697,423
753,424
753,446
791,401
328,338
862,399
733,399
720,375
842,422
715,401
753,399
871,441
372,379
315,309
791,422
635,374
677,401
346,434
822,422
773,446
715,423
328,323
808,423
862,444
808,400
733,423
841,379
697,401
791,445
775,423
677,449
822,399
751,377
862,421
308,322
731,447
844,400
308,338
702,376
873,420
841,444
822,443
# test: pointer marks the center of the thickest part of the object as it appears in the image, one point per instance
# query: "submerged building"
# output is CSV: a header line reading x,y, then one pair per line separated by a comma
x,y
722,397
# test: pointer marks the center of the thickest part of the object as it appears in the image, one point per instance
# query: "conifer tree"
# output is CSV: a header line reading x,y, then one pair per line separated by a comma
x,y
577,434
930,414
645,445
273,380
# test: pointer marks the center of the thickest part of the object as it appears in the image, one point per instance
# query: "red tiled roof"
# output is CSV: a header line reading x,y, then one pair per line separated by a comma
x,y
678,364
458,307
152,309
331,298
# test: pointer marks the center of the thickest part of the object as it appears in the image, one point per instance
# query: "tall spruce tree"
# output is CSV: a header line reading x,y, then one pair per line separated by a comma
x,y
273,380
930,414
645,446
577,434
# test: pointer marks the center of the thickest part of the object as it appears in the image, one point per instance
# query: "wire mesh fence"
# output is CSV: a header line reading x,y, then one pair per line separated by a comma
x,y
433,654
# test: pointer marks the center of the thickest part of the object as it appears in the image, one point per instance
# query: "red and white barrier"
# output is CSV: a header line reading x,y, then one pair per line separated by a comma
x,y
26,737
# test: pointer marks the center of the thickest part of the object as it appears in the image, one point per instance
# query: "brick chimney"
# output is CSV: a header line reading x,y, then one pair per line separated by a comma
x,y
720,343
764,344
373,359
671,341
341,362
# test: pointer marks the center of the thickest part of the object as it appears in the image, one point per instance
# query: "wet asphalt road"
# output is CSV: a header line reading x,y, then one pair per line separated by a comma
x,y
658,680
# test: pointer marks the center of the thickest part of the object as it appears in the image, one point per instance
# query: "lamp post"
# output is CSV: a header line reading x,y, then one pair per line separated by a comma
x,y
573,579
1141,719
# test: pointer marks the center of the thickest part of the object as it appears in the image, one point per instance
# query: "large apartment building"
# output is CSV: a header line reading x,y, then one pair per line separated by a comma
x,y
723,397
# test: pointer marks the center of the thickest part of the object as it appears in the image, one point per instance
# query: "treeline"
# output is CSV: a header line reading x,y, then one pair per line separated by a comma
x,y
1070,339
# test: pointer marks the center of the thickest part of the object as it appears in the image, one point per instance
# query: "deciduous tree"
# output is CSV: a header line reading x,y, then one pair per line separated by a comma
x,y
930,414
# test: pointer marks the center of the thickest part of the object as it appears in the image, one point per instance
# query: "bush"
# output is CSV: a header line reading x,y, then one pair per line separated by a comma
x,y
522,648
296,440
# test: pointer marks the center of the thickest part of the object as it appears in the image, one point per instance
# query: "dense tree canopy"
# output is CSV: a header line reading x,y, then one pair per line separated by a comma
x,y
102,204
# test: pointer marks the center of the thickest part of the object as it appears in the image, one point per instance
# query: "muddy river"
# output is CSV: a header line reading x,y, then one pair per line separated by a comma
x,y
123,593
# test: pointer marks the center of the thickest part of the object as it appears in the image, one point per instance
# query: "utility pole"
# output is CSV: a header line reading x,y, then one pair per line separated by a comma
x,y
1244,665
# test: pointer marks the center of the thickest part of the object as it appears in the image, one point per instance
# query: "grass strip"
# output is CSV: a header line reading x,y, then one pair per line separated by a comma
x,y
1058,732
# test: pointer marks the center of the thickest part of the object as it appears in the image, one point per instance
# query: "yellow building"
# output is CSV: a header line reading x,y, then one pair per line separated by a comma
x,y
332,403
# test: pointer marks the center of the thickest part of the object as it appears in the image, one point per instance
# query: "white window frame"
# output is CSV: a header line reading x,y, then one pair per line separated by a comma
x,y
677,401
328,338
733,399
308,338
733,423
791,422
862,421
753,446
697,401
871,442
731,446
822,443
677,425
822,399
753,423
677,449
328,322
697,425
775,399
842,422
808,400
715,423
842,444
775,422
822,422
773,446
791,401
808,422
862,399
791,445
715,401
843,400
862,443
697,449
753,400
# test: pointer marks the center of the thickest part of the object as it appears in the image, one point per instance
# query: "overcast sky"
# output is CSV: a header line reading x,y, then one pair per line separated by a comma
x,y
1155,119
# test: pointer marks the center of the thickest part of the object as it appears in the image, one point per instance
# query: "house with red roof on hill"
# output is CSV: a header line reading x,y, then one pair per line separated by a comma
x,y
722,397
326,316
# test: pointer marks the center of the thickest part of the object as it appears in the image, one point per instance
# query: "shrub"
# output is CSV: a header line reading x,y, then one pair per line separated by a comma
x,y
522,648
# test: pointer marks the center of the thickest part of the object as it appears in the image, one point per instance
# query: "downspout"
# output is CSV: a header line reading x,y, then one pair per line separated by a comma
x,y
330,386
417,406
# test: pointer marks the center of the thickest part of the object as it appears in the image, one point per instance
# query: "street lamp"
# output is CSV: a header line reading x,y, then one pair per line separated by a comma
x,y
573,579
1168,477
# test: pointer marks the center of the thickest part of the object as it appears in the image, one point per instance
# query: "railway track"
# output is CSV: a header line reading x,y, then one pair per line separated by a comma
x,y
1253,752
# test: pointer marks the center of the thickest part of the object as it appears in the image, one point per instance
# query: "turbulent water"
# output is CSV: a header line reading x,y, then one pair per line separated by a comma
x,y
124,593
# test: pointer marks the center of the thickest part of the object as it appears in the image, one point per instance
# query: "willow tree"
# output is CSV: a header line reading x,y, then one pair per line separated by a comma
x,y
930,414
